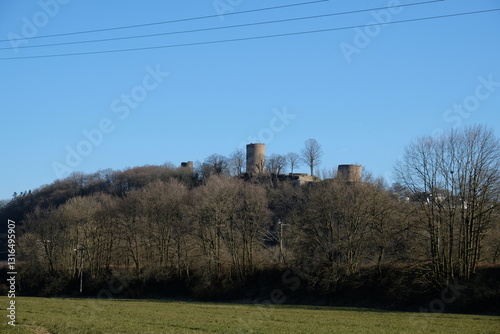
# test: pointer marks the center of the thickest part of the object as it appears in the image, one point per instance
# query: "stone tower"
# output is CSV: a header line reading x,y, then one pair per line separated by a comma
x,y
256,155
349,173
188,166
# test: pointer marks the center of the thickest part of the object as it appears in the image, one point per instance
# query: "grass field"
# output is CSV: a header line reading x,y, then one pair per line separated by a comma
x,y
91,316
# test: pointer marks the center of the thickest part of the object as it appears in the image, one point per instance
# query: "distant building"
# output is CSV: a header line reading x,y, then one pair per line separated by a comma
x,y
349,173
302,178
256,158
187,166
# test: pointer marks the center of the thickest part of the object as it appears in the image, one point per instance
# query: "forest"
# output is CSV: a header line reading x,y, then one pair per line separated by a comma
x,y
220,234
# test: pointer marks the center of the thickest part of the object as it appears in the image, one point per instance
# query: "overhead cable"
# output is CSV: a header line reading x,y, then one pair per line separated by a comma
x,y
249,38
172,21
217,28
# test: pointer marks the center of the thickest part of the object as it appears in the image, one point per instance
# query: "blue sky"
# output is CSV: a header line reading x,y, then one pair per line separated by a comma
x,y
362,93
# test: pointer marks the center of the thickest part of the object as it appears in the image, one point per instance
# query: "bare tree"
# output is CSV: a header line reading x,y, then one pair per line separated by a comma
x,y
133,233
162,216
335,233
293,160
215,164
276,163
45,232
327,173
311,154
237,161
455,181
491,244
230,215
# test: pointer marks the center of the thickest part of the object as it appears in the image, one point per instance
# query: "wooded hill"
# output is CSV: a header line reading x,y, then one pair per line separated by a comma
x,y
168,232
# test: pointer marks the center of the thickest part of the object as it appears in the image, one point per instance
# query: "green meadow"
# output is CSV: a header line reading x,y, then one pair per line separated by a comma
x,y
95,316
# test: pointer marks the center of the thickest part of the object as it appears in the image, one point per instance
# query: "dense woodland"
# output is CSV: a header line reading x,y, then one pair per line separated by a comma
x,y
219,233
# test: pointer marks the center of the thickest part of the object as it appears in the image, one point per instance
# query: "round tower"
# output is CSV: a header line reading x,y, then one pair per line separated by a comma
x,y
349,173
187,166
256,156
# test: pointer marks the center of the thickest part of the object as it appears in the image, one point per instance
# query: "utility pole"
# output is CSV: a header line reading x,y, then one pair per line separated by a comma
x,y
282,256
48,253
81,249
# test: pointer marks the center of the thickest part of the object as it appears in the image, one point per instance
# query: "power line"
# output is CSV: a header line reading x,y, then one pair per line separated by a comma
x,y
219,28
249,38
173,21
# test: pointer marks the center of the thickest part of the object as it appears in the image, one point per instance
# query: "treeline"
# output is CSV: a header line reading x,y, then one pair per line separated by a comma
x,y
162,226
